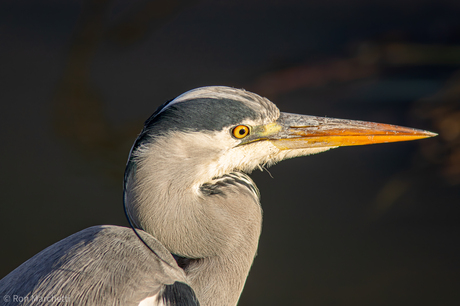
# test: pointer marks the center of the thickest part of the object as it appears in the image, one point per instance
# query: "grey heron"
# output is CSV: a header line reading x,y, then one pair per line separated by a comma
x,y
195,212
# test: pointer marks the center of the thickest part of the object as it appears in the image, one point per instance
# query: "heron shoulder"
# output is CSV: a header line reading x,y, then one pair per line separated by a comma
x,y
101,265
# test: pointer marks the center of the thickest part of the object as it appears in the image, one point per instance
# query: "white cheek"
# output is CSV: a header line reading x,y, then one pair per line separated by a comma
x,y
248,157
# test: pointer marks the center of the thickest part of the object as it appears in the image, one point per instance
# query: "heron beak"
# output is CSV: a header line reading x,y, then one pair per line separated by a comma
x,y
292,131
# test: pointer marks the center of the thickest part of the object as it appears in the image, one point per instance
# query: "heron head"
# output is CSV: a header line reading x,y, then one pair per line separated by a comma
x,y
225,129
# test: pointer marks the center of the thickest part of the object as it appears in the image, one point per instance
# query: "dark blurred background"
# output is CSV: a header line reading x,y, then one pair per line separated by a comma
x,y
373,225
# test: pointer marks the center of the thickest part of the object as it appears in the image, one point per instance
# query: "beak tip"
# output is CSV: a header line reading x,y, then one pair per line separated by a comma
x,y
428,134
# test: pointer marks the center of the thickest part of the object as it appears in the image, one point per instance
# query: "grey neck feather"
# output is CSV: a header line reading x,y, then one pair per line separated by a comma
x,y
214,220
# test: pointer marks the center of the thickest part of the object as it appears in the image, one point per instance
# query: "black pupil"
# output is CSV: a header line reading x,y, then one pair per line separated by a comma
x,y
242,131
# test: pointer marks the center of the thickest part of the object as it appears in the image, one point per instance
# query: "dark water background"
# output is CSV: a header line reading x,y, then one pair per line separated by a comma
x,y
374,225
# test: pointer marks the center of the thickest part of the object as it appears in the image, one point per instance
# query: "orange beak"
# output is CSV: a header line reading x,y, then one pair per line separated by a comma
x,y
292,131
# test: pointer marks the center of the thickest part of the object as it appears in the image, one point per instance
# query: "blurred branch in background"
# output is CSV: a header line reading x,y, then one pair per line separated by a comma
x,y
368,59
79,109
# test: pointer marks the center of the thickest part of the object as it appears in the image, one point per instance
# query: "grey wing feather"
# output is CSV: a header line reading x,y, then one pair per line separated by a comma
x,y
101,265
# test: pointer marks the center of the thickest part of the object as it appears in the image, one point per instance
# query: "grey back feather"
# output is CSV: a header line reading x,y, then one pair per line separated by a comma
x,y
101,265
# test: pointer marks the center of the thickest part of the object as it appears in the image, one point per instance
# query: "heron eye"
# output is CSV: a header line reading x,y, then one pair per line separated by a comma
x,y
240,131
